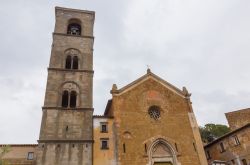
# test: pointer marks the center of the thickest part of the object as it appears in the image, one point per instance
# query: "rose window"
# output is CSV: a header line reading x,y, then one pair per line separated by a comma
x,y
154,112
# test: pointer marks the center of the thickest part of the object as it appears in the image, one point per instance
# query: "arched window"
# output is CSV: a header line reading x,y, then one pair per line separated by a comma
x,y
73,99
68,62
75,62
65,99
70,91
72,59
71,62
74,29
69,100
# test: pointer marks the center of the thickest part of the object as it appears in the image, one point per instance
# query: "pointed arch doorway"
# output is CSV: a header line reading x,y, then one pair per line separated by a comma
x,y
161,153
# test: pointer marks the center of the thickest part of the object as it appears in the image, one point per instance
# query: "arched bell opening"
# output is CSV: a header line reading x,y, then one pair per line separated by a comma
x,y
74,27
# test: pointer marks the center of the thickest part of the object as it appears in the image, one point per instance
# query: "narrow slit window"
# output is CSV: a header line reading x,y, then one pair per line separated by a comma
x,y
222,148
236,140
208,154
68,62
65,99
73,99
124,148
145,148
75,62
176,147
194,147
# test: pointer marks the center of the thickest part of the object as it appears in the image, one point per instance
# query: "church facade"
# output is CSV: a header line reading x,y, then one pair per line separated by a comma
x,y
149,121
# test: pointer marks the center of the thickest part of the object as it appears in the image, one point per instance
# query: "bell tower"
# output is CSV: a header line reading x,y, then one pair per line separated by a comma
x,y
66,134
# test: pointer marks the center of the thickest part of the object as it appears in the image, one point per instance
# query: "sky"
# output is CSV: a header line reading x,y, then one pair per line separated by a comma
x,y
203,45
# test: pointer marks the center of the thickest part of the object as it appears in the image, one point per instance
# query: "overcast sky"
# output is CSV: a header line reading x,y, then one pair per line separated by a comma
x,y
203,45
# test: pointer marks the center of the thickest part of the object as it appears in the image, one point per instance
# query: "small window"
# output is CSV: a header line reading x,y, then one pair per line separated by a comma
x,y
222,148
208,154
75,62
30,156
104,127
68,62
104,144
65,99
73,99
74,29
236,140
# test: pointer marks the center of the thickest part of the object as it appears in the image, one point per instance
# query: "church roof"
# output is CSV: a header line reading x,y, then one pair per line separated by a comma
x,y
149,75
227,135
19,145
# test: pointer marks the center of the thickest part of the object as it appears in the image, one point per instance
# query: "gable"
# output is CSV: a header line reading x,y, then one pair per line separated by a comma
x,y
150,76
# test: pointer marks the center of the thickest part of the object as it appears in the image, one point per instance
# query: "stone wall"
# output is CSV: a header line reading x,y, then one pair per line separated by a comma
x,y
237,119
18,154
234,152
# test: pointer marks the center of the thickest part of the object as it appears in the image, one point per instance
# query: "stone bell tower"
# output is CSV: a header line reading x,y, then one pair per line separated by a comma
x,y
66,135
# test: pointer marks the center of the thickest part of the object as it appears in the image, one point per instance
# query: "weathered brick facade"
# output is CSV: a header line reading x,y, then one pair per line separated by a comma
x,y
232,148
170,137
237,119
20,154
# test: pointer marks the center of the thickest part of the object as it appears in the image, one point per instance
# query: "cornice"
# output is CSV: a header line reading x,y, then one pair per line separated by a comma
x,y
67,109
78,36
75,10
64,141
71,70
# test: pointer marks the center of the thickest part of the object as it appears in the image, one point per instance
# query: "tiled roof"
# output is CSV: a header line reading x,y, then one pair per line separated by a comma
x,y
226,135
